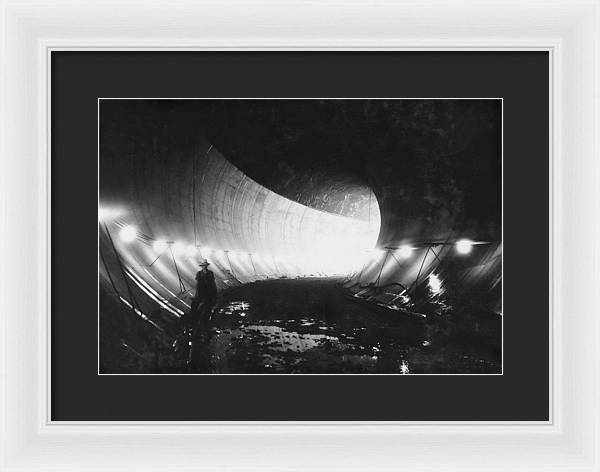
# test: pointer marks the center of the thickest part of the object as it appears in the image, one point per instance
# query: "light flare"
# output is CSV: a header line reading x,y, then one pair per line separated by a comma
x,y
128,234
435,284
159,246
178,248
105,214
464,246
405,252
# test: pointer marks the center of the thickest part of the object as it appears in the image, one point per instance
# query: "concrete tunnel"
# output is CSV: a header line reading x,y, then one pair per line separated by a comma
x,y
160,216
206,208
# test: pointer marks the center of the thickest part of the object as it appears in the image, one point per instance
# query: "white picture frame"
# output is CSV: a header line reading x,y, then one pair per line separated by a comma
x,y
568,29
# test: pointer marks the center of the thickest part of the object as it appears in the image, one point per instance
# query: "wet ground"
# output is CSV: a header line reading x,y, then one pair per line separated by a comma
x,y
313,325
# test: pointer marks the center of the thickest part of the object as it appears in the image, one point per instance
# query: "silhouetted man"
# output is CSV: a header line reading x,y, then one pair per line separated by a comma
x,y
206,294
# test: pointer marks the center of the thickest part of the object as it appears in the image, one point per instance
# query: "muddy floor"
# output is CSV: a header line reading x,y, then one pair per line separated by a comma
x,y
313,325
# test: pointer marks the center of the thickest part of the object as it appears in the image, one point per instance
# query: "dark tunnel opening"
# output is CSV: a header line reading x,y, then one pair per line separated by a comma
x,y
345,236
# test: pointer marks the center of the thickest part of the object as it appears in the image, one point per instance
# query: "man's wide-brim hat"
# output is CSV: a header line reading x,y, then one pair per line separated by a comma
x,y
204,263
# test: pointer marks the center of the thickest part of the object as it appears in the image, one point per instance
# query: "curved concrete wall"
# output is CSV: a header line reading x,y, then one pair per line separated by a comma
x,y
201,206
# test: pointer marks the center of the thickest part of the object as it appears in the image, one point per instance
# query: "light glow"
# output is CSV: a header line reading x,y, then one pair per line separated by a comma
x,y
105,214
191,251
405,252
205,251
128,234
464,246
435,284
159,246
178,248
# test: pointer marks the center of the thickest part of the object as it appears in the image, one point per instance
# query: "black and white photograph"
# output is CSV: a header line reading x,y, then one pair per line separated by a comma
x,y
300,236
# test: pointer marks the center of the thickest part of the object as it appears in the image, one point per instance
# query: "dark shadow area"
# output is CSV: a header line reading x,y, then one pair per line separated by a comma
x,y
303,326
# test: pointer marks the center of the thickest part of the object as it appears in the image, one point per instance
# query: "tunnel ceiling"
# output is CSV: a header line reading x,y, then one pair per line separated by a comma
x,y
430,163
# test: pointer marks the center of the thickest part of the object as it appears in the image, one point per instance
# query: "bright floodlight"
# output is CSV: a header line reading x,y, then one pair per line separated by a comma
x,y
108,213
191,250
159,246
464,246
219,253
103,214
205,251
128,234
405,252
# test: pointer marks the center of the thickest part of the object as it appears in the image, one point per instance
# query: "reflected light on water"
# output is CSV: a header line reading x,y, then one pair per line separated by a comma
x,y
435,284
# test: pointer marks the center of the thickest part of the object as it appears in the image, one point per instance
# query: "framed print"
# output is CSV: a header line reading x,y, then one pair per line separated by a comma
x,y
270,234
330,244
306,273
